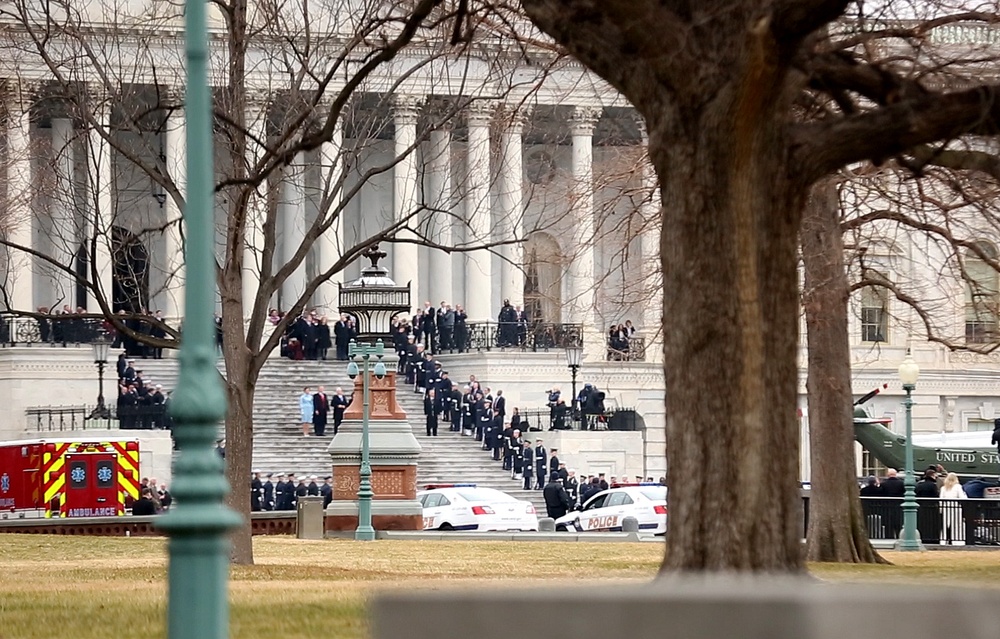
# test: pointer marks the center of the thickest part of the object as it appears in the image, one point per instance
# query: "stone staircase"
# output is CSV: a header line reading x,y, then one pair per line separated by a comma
x,y
280,447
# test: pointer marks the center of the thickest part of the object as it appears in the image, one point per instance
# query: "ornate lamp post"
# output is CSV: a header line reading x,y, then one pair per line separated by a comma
x,y
909,373
574,355
364,353
100,346
198,606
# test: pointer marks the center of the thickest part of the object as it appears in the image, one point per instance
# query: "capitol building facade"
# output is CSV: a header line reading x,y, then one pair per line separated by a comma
x,y
504,171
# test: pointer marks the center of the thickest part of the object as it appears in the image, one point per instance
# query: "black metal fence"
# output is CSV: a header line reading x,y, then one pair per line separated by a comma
x,y
622,419
972,522
487,336
55,330
45,419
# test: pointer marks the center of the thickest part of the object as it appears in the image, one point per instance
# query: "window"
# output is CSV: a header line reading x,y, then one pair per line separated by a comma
x,y
597,502
444,501
982,289
874,309
432,501
619,499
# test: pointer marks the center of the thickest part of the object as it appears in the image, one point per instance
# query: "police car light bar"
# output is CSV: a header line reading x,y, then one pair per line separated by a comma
x,y
436,486
645,483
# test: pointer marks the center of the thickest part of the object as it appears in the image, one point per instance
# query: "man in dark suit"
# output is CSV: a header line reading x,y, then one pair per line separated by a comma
x,y
339,404
321,407
871,488
340,337
541,464
326,490
431,411
892,486
429,328
500,405
556,500
553,461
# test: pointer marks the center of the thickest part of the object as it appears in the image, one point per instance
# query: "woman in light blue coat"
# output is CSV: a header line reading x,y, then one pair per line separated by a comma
x,y
306,410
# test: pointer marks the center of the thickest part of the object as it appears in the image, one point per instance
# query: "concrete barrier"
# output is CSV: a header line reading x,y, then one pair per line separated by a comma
x,y
630,524
546,524
694,607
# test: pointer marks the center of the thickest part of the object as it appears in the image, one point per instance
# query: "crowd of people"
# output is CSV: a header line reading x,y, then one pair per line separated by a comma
x,y
587,408
619,344
311,337
315,410
153,499
141,404
282,492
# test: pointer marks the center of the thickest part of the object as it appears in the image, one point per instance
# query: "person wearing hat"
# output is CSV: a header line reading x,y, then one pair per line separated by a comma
x,y
527,464
313,487
556,499
279,492
541,464
268,489
301,490
256,488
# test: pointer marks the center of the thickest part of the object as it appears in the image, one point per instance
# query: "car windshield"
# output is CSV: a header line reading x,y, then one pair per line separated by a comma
x,y
655,493
484,494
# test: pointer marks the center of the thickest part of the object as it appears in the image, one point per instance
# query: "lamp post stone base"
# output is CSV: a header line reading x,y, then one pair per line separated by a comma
x,y
387,514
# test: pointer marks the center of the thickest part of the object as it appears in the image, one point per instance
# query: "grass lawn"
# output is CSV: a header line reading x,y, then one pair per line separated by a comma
x,y
95,587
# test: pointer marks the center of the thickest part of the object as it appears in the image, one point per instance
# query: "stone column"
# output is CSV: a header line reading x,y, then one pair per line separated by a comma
x,y
405,257
101,217
293,219
651,292
478,264
510,225
441,221
64,241
582,286
330,246
253,236
19,283
175,135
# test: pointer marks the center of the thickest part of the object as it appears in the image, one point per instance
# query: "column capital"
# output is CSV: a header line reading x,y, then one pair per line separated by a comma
x,y
479,112
584,119
515,117
406,108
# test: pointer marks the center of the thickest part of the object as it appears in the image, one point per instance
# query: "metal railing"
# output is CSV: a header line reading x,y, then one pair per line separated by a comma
x,y
56,330
634,351
972,522
47,419
487,336
621,419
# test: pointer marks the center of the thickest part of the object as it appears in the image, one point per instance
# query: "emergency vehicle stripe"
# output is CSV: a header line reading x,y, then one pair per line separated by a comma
x,y
52,476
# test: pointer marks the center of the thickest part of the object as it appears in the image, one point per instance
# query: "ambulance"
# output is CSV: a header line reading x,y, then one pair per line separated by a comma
x,y
68,477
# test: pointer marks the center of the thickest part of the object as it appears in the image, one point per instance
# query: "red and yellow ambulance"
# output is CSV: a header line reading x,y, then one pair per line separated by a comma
x,y
69,477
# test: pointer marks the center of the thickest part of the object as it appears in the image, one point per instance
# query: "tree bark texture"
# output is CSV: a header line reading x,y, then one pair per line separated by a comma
x,y
715,109
837,529
240,387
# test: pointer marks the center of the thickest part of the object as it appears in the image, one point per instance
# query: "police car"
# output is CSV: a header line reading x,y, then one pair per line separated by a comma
x,y
469,507
606,510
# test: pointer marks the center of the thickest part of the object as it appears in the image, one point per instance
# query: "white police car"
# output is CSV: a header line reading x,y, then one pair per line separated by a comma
x,y
468,507
606,510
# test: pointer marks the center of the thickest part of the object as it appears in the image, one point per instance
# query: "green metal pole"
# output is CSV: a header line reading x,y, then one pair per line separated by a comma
x,y
365,531
198,605
909,541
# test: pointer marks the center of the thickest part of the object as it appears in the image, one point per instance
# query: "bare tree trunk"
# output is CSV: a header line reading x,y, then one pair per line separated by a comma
x,y
240,386
836,524
730,292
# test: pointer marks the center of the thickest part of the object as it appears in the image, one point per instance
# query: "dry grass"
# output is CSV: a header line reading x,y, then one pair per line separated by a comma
x,y
88,588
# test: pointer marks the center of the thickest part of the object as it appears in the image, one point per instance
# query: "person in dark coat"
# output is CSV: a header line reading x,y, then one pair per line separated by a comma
x,y
927,487
556,500
256,488
321,407
996,434
431,404
313,487
461,330
326,491
279,493
323,342
339,403
527,465
541,464
144,506
341,337
301,490
871,488
553,461
589,490
268,488
892,486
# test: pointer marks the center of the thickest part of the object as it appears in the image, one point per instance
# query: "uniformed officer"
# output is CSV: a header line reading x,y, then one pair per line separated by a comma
x,y
527,465
541,464
279,492
268,493
508,448
291,499
516,454
326,490
313,486
484,426
256,491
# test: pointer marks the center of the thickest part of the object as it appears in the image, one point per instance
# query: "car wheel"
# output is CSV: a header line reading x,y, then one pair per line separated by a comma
x,y
561,528
445,527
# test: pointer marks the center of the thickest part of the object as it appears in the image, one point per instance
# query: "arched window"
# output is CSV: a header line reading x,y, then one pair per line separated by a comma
x,y
875,309
982,294
543,278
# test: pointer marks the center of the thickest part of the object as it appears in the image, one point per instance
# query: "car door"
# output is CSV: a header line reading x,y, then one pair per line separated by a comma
x,y
432,510
91,485
618,506
592,512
